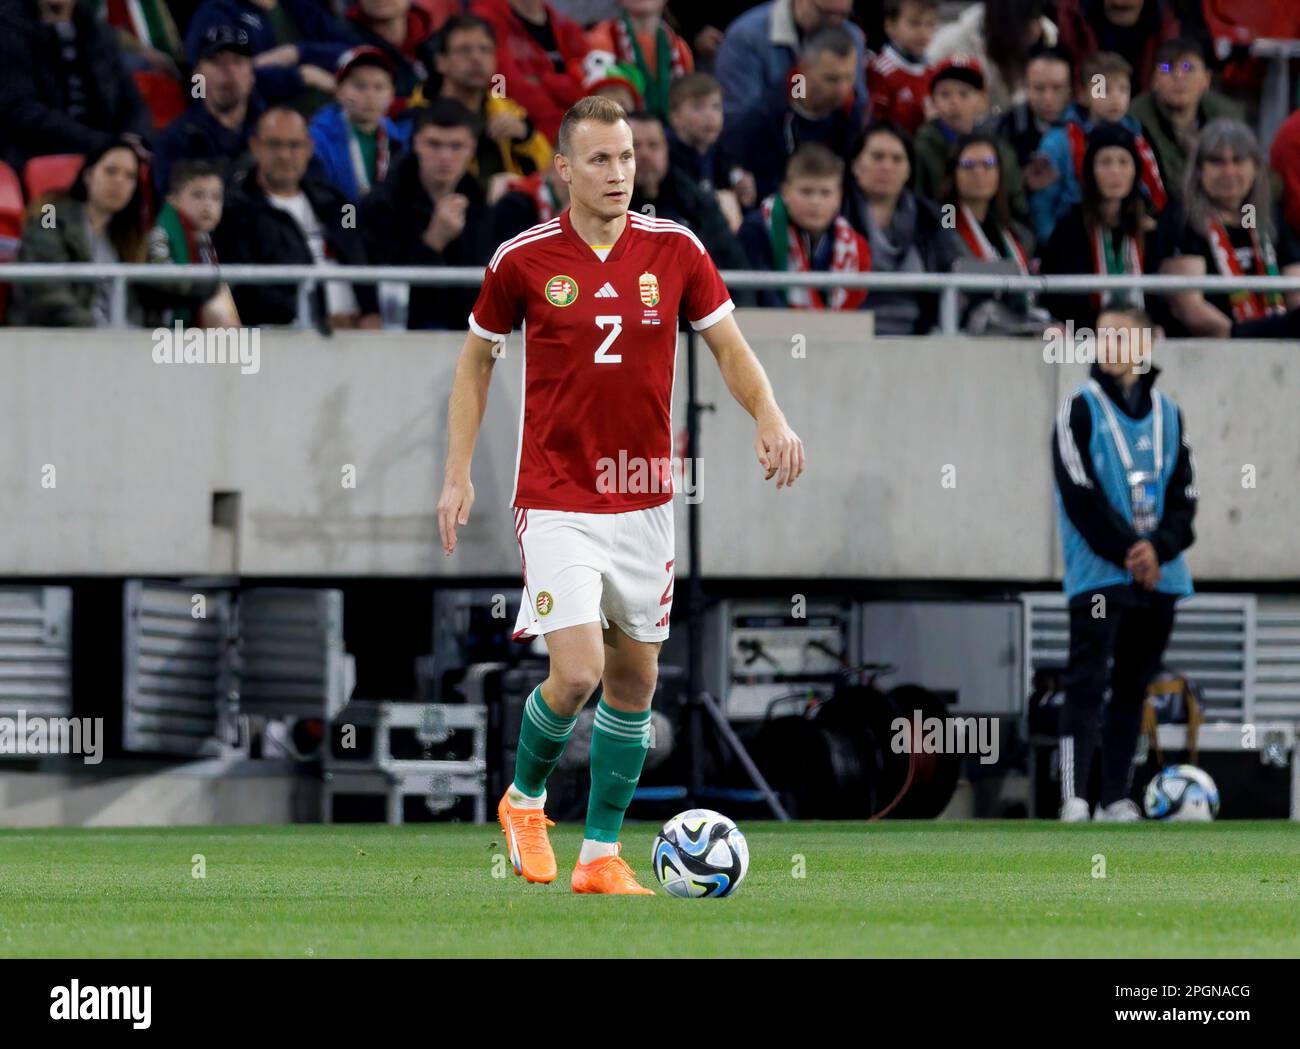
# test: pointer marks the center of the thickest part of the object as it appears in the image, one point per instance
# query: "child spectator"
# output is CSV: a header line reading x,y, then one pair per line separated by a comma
x,y
639,37
816,104
355,142
960,102
1103,99
1178,105
800,230
695,127
182,235
898,75
541,54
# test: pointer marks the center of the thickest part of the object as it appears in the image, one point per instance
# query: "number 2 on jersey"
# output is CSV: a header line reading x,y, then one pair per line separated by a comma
x,y
615,325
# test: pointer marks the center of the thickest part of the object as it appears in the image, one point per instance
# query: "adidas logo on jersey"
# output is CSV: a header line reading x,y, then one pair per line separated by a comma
x,y
1144,443
607,291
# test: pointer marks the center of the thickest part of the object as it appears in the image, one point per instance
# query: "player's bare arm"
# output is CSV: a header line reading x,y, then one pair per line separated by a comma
x,y
469,390
779,450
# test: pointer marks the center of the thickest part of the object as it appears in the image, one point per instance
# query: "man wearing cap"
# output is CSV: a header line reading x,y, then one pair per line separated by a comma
x,y
219,124
63,88
356,142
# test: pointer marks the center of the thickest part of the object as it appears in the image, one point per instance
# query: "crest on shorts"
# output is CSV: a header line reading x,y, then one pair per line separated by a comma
x,y
545,602
649,285
561,290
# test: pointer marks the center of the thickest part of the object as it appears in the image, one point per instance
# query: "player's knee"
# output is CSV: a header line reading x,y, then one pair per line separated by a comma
x,y
570,686
632,687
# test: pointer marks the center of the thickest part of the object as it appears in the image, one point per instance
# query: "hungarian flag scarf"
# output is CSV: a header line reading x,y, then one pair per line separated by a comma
x,y
668,63
849,254
358,159
1246,305
982,248
185,245
972,233
1110,258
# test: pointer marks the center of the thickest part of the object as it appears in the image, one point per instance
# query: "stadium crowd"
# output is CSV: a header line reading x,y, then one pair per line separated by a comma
x,y
903,136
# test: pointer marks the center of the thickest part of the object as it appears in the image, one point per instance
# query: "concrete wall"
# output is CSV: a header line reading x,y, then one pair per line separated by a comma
x,y
215,791
140,448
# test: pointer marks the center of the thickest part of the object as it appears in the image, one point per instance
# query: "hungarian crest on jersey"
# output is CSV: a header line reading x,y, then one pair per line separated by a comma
x,y
649,286
561,290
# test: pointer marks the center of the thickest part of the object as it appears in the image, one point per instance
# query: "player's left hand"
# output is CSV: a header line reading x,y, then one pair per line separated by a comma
x,y
1142,561
779,450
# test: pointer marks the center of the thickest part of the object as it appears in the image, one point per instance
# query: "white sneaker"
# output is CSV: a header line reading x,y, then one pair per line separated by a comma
x,y
1122,811
1075,810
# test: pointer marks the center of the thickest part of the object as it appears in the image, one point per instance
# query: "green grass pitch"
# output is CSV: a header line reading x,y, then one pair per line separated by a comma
x,y
431,890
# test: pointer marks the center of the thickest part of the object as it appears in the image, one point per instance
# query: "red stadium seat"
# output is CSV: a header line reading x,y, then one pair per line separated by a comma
x,y
162,94
11,224
50,174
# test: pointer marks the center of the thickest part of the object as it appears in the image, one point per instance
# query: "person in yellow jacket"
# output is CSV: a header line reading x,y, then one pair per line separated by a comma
x,y
508,143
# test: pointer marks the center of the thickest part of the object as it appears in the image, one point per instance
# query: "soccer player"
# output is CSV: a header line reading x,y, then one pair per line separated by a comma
x,y
1127,492
598,292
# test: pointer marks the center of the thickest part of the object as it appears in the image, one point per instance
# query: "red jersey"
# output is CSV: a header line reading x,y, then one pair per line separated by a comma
x,y
898,88
600,349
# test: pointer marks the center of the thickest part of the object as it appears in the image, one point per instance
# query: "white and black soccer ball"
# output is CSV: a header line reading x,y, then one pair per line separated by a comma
x,y
700,853
1182,792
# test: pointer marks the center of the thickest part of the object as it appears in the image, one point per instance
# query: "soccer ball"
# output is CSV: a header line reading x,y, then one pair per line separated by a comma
x,y
700,853
1182,792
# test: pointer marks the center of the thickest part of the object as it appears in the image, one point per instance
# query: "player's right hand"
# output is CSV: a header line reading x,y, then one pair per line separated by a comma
x,y
453,510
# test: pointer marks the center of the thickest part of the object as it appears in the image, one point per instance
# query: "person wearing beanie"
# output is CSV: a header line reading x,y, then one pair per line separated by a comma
x,y
1106,232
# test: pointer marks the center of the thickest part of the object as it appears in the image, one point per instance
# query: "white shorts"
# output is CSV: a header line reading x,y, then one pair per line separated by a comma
x,y
596,568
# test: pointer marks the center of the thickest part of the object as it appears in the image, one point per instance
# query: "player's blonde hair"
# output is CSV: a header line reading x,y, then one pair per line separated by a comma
x,y
595,108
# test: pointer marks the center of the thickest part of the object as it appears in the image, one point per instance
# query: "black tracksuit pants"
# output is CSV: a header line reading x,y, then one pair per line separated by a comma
x,y
1115,655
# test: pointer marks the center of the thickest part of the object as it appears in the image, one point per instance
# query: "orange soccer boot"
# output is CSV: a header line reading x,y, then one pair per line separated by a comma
x,y
530,848
609,875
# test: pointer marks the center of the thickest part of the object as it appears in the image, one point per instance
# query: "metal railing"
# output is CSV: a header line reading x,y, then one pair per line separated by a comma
x,y
948,286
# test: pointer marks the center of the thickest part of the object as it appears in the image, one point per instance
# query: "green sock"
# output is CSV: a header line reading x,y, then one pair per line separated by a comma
x,y
542,735
619,741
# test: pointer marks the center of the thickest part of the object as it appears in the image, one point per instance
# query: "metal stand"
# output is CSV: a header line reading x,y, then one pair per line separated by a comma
x,y
702,710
